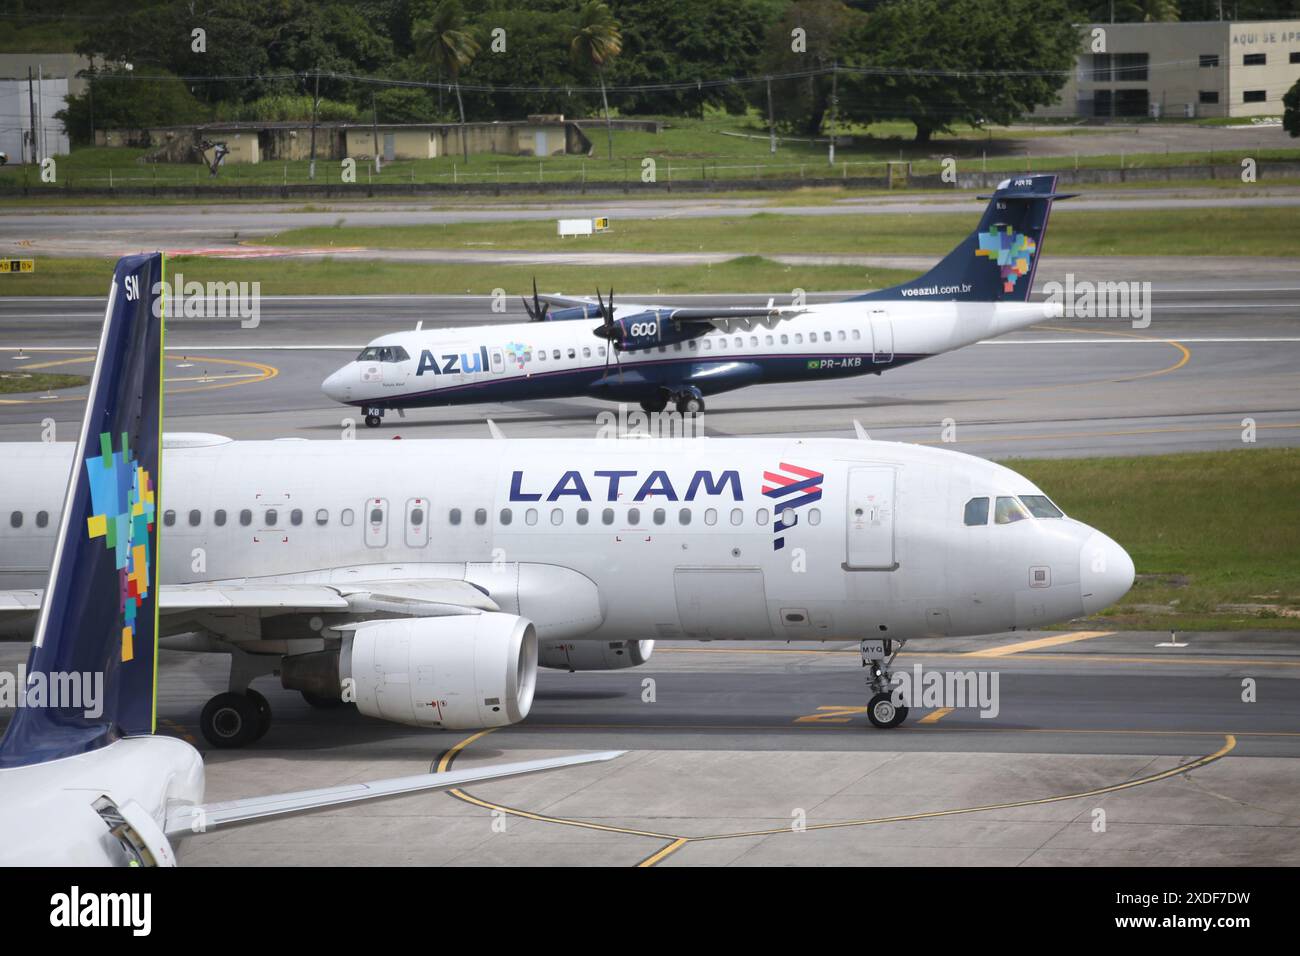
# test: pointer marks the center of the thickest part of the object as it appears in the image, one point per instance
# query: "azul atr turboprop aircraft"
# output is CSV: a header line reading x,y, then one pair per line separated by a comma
x,y
84,780
656,354
427,580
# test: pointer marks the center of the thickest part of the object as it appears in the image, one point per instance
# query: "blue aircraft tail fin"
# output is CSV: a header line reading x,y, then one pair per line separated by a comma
x,y
92,668
996,262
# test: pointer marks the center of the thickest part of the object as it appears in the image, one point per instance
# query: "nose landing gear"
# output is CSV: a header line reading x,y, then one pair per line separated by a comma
x,y
374,417
882,710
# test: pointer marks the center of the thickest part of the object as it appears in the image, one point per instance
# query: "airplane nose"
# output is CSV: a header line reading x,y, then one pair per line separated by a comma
x,y
1105,573
338,386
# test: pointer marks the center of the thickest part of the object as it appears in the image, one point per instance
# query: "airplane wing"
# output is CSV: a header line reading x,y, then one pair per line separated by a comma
x,y
432,597
725,318
184,821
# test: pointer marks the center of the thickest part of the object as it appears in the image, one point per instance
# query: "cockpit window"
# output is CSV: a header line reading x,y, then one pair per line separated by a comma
x,y
1009,510
383,353
977,511
1040,506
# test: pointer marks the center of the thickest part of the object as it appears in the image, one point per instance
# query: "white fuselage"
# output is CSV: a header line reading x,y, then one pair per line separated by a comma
x,y
550,359
47,810
619,539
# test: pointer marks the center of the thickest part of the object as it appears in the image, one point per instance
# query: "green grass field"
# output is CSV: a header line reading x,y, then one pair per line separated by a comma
x,y
90,276
1215,536
718,147
15,383
1172,232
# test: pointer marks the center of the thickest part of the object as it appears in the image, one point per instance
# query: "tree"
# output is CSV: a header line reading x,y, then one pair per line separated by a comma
x,y
445,40
830,30
596,41
1291,110
942,62
1134,11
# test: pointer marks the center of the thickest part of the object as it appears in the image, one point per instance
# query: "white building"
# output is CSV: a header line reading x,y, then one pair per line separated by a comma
x,y
18,100
1216,68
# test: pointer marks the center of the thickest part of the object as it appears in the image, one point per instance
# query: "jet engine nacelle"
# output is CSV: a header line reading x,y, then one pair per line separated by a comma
x,y
594,655
459,673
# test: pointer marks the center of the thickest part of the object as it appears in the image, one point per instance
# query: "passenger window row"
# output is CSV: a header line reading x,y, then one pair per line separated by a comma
x,y
634,516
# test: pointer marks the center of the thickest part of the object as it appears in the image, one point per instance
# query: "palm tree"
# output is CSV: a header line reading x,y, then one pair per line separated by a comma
x,y
596,41
444,39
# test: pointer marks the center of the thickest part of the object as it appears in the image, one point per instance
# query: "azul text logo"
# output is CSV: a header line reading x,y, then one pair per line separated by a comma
x,y
453,363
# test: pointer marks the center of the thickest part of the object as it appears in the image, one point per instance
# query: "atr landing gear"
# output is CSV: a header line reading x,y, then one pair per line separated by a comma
x,y
882,710
690,402
374,417
656,404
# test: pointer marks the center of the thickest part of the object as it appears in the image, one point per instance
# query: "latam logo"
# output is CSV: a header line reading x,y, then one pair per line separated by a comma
x,y
616,485
790,488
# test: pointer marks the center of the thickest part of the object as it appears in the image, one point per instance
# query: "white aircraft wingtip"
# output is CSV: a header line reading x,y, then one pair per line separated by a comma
x,y
493,430
860,431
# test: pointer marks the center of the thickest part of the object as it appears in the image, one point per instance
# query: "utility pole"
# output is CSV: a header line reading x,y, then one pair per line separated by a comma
x,y
40,109
374,129
771,120
835,75
315,108
31,113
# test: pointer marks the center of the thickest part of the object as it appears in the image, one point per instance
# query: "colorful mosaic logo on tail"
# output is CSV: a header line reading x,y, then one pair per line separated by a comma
x,y
122,497
1012,251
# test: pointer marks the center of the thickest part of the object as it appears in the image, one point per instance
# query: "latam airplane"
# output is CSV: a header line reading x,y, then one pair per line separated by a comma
x,y
84,781
655,354
426,581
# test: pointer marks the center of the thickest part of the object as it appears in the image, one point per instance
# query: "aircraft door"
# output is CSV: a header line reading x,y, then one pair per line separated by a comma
x,y
870,520
376,523
882,337
498,362
722,603
417,522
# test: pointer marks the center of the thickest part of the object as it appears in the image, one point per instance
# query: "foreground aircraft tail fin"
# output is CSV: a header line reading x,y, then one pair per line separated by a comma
x,y
996,262
92,667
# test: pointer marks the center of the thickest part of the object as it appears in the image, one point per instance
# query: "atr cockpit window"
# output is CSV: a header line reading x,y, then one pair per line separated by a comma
x,y
1009,510
977,511
383,353
1040,506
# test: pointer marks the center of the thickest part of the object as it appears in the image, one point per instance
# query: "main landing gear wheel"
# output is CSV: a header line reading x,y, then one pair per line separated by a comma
x,y
657,404
234,720
884,713
263,713
373,421
690,404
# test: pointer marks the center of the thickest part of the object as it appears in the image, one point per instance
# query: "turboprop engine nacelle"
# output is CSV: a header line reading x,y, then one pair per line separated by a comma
x,y
462,672
594,655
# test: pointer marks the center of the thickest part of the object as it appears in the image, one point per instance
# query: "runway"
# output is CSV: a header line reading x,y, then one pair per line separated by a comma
x,y
759,754
218,229
1216,353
